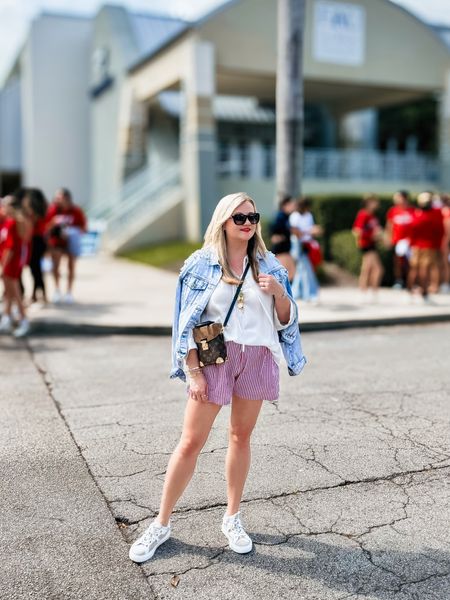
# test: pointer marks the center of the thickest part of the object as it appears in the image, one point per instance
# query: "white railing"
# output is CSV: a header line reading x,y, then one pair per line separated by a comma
x,y
139,194
346,165
369,165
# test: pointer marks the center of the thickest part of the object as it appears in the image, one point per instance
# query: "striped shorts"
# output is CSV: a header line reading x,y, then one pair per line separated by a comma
x,y
249,372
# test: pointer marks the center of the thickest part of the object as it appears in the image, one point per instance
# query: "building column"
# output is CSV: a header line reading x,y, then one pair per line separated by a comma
x,y
198,145
444,135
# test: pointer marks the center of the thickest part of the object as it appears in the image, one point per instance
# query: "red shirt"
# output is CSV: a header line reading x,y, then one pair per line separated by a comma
x,y
3,232
401,218
68,217
427,228
72,216
20,250
367,224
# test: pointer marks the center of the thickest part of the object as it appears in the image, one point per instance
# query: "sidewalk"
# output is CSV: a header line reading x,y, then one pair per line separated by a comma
x,y
118,296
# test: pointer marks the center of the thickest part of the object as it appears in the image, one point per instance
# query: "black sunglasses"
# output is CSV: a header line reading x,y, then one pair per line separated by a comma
x,y
240,218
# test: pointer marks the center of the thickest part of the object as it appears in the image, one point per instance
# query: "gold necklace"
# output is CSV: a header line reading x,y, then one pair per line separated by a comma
x,y
240,300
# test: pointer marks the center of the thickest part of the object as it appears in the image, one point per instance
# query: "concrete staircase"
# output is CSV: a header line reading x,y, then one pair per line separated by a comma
x,y
150,210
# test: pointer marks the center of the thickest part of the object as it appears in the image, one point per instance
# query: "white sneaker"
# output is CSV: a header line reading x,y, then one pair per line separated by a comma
x,y
238,540
56,298
445,288
5,324
144,547
23,329
68,298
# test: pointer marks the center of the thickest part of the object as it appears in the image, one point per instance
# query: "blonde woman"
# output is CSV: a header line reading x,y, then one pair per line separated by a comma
x,y
262,327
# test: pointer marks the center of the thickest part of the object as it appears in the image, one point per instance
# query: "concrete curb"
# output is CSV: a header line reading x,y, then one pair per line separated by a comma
x,y
64,329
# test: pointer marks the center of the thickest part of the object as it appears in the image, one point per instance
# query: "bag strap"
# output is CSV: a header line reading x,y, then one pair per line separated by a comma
x,y
236,295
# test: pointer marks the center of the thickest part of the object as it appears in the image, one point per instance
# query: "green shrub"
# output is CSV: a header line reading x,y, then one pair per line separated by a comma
x,y
345,253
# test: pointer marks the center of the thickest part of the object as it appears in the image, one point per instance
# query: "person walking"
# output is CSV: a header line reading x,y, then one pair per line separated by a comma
x,y
445,248
307,252
367,231
36,204
262,326
398,228
280,235
17,234
427,234
65,224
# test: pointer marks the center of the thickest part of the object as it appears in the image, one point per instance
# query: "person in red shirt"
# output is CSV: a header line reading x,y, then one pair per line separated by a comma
x,y
15,253
398,228
427,233
445,248
367,231
65,224
3,220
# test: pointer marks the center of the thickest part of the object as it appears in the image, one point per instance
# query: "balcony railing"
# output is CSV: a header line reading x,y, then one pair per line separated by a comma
x,y
332,164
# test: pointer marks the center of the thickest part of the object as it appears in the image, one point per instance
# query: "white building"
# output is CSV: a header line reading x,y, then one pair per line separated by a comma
x,y
150,120
46,95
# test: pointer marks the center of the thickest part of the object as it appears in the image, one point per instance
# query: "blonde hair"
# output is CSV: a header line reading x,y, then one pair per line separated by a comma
x,y
215,236
424,199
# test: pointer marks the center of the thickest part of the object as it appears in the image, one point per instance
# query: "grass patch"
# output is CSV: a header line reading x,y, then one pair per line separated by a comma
x,y
170,255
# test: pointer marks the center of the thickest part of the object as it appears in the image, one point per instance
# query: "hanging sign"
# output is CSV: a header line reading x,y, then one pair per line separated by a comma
x,y
339,33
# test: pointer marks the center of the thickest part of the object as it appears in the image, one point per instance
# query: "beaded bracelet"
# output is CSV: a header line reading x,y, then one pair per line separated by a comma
x,y
194,371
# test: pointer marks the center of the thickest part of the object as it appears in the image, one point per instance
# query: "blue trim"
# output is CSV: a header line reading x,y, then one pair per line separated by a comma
x,y
100,88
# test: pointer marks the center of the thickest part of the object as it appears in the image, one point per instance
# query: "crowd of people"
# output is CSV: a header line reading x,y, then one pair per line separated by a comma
x,y
418,236
30,229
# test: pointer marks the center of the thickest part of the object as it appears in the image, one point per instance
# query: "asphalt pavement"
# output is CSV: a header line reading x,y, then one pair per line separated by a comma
x,y
348,494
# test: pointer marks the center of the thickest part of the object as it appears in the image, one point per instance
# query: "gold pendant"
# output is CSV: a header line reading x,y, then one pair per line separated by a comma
x,y
240,300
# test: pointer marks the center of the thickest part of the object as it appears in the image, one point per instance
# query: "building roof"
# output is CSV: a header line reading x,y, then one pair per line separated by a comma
x,y
444,33
236,109
176,34
150,31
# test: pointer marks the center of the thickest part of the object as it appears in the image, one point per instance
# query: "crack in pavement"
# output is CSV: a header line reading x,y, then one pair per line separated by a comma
x,y
49,386
344,483
212,561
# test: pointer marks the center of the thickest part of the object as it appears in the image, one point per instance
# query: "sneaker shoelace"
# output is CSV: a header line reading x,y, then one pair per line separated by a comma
x,y
151,535
237,529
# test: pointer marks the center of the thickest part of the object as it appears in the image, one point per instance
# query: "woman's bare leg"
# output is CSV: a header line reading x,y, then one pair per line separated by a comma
x,y
16,296
56,262
376,271
244,414
288,262
8,297
198,420
365,272
71,261
13,295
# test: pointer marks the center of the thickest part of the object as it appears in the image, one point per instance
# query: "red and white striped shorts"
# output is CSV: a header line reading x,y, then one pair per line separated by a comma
x,y
249,372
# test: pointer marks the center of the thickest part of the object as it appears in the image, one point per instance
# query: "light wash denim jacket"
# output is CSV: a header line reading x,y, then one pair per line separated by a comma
x,y
198,278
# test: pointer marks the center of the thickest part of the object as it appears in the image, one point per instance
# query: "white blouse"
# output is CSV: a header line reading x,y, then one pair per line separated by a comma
x,y
256,324
304,223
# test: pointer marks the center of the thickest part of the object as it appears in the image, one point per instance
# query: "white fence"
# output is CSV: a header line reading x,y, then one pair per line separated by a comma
x,y
350,165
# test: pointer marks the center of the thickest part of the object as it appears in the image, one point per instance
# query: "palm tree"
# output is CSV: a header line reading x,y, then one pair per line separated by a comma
x,y
289,97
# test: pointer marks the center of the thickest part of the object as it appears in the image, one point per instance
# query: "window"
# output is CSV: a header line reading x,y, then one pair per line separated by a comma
x,y
268,160
244,159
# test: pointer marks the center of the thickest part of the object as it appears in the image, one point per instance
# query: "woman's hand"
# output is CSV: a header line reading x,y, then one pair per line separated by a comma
x,y
270,285
198,388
